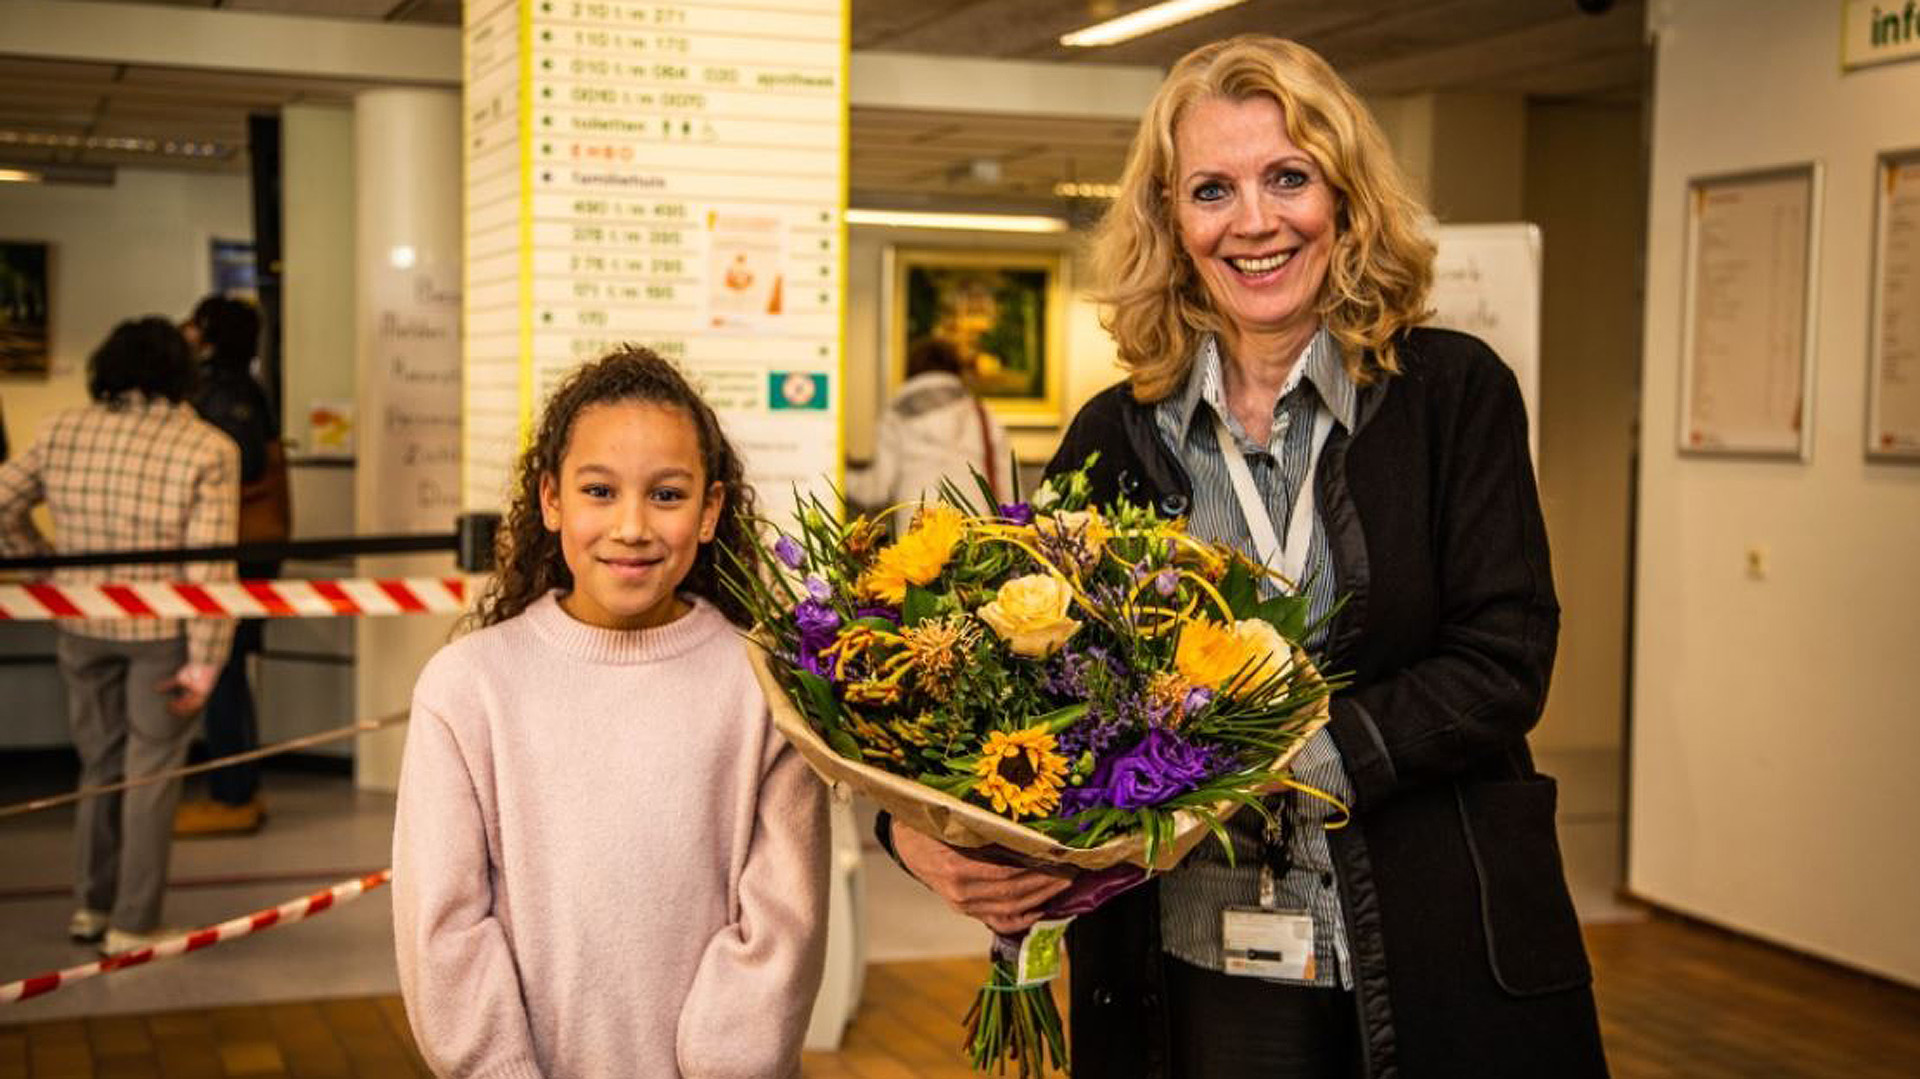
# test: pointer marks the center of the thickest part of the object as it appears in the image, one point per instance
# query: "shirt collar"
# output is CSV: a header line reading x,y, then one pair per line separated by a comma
x,y
1320,366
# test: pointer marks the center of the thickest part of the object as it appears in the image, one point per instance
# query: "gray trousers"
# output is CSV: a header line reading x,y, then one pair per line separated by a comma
x,y
121,728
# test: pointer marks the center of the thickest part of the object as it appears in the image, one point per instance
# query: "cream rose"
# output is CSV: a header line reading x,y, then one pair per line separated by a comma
x,y
1258,637
1030,614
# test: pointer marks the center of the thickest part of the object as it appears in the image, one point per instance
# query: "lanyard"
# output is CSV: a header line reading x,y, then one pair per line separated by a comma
x,y
1289,561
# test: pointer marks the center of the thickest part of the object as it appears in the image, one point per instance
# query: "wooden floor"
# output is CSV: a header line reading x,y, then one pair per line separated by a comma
x,y
1677,1001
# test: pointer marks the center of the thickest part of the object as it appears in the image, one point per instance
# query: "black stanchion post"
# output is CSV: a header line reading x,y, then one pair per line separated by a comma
x,y
476,532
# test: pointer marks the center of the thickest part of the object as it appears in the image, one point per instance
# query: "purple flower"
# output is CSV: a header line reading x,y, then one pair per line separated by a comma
x,y
1162,766
1165,582
1197,698
1019,513
817,623
819,590
788,552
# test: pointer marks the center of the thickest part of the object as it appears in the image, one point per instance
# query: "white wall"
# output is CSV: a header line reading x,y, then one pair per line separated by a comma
x,y
1585,190
1775,729
136,248
317,281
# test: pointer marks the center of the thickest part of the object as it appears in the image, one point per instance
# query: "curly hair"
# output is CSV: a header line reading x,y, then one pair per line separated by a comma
x,y
528,562
1381,266
142,355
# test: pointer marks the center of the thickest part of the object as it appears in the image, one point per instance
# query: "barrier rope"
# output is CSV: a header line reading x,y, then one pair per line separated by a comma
x,y
288,598
34,805
291,911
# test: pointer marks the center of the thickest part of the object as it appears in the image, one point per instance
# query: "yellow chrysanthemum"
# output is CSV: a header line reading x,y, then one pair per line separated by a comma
x,y
917,558
1020,773
1210,654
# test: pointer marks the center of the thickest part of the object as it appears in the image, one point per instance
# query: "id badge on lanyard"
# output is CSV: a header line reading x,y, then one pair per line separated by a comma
x,y
1268,941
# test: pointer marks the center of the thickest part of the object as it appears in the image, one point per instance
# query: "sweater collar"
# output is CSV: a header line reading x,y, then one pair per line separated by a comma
x,y
595,644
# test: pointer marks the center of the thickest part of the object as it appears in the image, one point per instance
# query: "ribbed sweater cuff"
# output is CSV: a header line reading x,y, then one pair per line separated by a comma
x,y
517,1068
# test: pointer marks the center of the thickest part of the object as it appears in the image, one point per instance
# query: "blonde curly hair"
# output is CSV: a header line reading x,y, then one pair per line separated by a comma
x,y
1381,267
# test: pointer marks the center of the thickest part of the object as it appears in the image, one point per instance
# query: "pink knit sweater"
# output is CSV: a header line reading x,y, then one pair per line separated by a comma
x,y
606,863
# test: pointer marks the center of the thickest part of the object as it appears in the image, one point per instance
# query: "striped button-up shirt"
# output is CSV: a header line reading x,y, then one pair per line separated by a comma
x,y
1193,895
128,475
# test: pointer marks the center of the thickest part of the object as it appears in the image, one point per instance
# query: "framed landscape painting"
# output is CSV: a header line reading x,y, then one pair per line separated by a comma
x,y
1004,310
23,308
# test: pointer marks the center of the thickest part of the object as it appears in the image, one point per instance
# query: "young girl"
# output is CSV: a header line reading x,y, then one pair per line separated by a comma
x,y
606,862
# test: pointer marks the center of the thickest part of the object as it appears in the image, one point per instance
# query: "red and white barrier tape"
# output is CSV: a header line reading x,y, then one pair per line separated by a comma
x,y
41,600
290,911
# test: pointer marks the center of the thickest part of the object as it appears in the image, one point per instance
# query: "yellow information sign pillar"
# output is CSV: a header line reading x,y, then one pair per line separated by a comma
x,y
668,174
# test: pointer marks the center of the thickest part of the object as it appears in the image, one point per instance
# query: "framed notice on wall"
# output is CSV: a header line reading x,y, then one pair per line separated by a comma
x,y
1747,322
1893,388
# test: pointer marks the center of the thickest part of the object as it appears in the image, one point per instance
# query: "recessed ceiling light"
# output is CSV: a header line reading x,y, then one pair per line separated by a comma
x,y
1145,21
1069,189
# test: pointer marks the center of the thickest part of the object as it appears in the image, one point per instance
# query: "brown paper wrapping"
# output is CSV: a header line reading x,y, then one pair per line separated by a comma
x,y
963,824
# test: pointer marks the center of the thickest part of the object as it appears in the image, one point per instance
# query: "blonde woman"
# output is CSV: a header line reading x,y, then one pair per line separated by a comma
x,y
1265,274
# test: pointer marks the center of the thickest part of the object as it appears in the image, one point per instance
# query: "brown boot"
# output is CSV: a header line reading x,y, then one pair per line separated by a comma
x,y
206,817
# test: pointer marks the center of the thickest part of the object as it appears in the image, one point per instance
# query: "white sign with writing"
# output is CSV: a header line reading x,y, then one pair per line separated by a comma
x,y
1748,313
667,174
1894,395
1879,32
1486,282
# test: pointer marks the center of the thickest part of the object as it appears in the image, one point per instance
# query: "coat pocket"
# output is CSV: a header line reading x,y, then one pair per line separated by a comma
x,y
1533,936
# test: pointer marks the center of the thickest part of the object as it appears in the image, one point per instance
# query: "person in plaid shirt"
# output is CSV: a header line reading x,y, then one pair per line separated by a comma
x,y
133,470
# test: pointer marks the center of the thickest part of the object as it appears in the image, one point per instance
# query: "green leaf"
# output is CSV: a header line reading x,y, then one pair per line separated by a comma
x,y
1240,590
843,744
919,606
1288,614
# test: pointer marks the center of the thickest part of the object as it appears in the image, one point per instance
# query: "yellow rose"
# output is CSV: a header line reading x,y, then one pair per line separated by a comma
x,y
1210,654
917,558
1030,614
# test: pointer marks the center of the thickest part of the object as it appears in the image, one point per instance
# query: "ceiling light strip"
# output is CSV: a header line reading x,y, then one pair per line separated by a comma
x,y
1145,21
925,219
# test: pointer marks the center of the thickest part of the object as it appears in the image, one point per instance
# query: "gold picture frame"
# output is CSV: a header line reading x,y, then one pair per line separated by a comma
x,y
1005,310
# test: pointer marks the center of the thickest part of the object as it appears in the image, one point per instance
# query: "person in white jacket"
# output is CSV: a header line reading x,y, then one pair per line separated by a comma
x,y
934,428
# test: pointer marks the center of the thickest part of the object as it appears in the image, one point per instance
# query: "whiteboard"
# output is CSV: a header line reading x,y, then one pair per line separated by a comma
x,y
1486,282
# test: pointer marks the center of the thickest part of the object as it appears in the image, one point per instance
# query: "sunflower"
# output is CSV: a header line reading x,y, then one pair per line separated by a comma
x,y
1021,773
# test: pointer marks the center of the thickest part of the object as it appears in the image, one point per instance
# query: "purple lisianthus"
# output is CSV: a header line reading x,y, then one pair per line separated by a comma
x,y
819,590
818,625
1197,698
1162,766
1019,513
788,552
1166,582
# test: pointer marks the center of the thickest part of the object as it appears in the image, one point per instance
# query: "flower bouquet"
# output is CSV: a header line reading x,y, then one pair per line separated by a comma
x,y
1052,683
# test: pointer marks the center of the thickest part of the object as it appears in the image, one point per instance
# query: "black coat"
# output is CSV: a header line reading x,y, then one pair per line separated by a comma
x,y
1468,958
